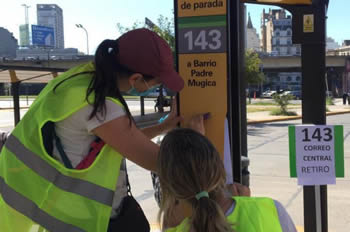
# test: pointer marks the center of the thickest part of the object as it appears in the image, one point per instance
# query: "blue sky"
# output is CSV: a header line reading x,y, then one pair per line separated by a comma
x,y
101,17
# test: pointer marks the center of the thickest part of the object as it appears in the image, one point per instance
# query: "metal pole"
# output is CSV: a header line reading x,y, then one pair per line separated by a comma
x,y
16,106
87,37
243,100
161,100
314,112
234,111
142,104
87,41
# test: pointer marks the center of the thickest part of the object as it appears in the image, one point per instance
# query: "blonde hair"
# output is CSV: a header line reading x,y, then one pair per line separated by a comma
x,y
188,164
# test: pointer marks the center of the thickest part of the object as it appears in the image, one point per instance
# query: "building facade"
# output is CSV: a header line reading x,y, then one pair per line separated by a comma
x,y
8,44
51,15
276,34
253,41
331,44
343,50
24,35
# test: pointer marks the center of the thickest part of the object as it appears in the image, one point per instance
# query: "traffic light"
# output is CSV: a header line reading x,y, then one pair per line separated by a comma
x,y
288,2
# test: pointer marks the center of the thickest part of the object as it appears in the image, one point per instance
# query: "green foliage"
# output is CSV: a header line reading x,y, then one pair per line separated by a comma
x,y
282,101
253,74
277,112
329,101
164,28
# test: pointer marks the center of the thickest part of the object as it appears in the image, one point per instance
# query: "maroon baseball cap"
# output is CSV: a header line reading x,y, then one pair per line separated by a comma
x,y
145,52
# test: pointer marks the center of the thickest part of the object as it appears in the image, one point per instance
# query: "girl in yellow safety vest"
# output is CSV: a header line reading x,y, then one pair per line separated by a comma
x,y
192,173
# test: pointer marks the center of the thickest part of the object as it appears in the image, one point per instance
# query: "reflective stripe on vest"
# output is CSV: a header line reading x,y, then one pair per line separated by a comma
x,y
69,184
37,193
31,210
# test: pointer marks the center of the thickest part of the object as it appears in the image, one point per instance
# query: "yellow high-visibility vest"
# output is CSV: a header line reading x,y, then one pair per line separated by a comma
x,y
253,214
37,193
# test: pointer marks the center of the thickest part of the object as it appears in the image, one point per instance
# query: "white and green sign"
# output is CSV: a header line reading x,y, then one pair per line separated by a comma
x,y
316,154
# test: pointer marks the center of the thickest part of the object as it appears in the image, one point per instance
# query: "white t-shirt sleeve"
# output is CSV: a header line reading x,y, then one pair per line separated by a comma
x,y
113,111
286,221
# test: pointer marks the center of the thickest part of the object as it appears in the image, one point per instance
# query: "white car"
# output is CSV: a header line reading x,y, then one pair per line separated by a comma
x,y
268,94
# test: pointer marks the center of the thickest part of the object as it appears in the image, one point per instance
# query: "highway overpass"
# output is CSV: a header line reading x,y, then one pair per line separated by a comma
x,y
42,69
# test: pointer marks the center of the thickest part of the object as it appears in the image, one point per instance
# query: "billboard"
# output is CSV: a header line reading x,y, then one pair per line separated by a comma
x,y
43,36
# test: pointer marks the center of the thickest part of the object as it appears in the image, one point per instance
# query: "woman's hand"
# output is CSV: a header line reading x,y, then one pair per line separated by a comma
x,y
173,119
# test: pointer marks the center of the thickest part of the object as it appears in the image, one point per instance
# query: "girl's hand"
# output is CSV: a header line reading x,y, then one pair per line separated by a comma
x,y
238,189
197,123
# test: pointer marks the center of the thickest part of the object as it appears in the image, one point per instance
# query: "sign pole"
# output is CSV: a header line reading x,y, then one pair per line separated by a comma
x,y
314,112
234,112
309,29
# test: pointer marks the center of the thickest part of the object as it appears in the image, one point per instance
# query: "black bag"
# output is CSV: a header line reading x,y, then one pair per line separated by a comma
x,y
131,217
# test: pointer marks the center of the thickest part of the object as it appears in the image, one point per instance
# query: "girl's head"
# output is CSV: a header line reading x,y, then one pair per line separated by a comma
x,y
135,63
189,164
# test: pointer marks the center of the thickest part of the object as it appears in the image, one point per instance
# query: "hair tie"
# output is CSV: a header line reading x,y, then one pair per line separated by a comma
x,y
110,50
202,194
110,46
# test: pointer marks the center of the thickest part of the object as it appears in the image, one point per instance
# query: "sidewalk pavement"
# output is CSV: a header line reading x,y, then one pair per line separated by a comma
x,y
264,116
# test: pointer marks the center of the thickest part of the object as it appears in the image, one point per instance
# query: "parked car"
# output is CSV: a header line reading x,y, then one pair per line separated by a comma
x,y
295,93
268,93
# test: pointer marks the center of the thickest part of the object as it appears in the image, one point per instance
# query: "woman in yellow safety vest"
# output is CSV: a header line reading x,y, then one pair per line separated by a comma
x,y
38,192
192,173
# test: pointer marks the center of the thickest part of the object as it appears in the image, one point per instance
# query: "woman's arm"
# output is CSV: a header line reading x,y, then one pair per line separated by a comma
x,y
129,141
133,144
154,131
169,123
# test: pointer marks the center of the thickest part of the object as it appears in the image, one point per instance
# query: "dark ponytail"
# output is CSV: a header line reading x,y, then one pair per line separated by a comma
x,y
105,80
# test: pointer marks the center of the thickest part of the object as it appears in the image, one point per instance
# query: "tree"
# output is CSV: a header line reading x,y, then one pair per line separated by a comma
x,y
164,28
253,73
283,101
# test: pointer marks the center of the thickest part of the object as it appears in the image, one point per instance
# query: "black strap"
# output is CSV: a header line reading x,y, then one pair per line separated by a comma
x,y
128,186
63,155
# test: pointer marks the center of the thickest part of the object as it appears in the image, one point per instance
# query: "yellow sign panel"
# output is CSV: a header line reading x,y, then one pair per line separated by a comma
x,y
289,2
308,23
188,8
205,77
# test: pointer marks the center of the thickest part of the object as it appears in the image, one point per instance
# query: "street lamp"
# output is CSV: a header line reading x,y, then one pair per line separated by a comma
x,y
87,37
